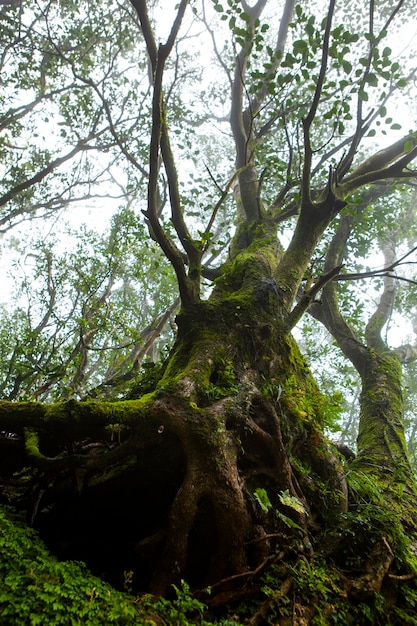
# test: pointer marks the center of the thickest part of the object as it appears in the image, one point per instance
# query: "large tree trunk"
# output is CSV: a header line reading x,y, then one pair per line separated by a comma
x,y
222,471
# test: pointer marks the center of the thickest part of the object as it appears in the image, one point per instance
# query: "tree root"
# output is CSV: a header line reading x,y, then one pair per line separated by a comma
x,y
231,589
378,564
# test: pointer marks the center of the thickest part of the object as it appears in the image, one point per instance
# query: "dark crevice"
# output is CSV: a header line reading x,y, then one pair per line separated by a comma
x,y
115,525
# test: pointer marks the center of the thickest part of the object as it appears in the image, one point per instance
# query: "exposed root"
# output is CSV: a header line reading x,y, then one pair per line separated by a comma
x,y
232,589
377,566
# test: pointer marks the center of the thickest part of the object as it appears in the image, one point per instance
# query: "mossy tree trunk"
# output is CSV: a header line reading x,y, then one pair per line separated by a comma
x,y
381,442
240,476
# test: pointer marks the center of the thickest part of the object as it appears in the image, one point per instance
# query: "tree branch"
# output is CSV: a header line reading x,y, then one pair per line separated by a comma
x,y
307,298
384,309
308,120
39,176
279,49
327,311
159,140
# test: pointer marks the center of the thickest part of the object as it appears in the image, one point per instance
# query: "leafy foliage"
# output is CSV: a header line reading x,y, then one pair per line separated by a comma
x,y
39,589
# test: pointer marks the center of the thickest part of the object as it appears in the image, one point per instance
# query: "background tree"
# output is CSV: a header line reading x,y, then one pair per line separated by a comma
x,y
85,312
215,467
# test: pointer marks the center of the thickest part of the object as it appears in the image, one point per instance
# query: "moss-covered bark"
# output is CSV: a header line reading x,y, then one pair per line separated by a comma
x,y
381,441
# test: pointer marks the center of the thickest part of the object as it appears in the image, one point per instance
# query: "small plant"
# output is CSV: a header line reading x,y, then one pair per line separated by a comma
x,y
262,499
223,382
272,389
291,501
128,580
149,376
184,610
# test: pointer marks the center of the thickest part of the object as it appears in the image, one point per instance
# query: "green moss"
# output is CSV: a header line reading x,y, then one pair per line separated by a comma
x,y
259,258
32,444
381,441
380,509
146,382
301,397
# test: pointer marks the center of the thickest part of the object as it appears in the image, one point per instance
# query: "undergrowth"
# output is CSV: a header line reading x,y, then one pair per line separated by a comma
x,y
38,589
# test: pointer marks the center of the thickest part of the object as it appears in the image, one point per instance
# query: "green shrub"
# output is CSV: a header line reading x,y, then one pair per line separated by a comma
x,y
36,588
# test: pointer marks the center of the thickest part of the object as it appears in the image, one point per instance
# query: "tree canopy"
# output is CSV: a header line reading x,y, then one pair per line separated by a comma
x,y
176,371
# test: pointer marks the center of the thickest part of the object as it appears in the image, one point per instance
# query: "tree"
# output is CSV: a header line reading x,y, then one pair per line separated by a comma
x,y
216,467
84,319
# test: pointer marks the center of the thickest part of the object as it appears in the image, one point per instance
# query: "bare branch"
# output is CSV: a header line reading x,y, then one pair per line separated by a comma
x,y
53,165
308,120
307,298
218,204
327,310
386,303
160,141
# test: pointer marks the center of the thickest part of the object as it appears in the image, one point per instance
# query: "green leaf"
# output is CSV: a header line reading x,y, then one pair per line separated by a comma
x,y
300,46
288,521
291,501
372,79
262,499
347,67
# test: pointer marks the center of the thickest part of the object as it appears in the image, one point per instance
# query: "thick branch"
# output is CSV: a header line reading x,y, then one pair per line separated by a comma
x,y
389,163
384,309
74,421
241,122
193,252
142,10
